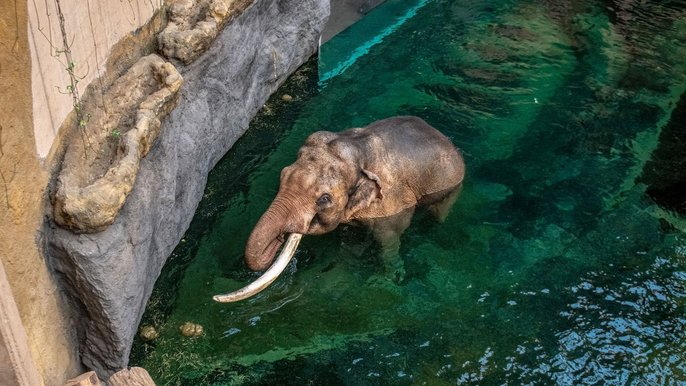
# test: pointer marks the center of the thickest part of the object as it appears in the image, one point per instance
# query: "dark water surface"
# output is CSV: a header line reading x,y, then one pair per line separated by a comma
x,y
563,262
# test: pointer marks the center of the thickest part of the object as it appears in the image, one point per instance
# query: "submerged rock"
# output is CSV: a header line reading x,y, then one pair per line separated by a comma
x,y
191,330
148,333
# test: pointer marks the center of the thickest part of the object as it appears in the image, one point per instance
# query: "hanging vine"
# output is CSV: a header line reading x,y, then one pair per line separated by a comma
x,y
72,87
69,64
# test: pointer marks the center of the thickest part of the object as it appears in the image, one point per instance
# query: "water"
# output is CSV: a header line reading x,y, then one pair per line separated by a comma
x,y
563,262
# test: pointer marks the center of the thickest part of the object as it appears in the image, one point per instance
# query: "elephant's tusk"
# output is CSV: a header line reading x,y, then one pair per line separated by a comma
x,y
268,277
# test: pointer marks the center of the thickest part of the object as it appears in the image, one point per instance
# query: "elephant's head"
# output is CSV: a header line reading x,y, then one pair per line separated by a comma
x,y
325,186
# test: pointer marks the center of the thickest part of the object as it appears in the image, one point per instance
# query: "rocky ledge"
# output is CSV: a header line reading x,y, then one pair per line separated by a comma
x,y
194,24
110,274
99,172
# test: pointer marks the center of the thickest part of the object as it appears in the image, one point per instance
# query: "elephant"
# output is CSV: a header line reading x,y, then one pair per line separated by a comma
x,y
373,176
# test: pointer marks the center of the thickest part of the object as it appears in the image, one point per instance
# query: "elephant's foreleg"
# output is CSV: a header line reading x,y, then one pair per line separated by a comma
x,y
387,232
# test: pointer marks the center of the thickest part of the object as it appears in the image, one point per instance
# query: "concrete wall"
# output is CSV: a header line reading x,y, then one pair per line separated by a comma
x,y
48,334
345,13
91,28
16,364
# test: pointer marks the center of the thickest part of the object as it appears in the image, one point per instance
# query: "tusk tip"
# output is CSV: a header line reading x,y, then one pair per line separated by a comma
x,y
226,298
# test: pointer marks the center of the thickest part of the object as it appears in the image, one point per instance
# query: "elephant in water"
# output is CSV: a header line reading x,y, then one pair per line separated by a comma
x,y
373,176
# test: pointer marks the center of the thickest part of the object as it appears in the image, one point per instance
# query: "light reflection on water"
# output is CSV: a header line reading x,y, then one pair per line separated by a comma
x,y
556,265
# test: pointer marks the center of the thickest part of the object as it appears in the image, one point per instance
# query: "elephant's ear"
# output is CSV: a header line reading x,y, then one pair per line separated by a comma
x,y
367,189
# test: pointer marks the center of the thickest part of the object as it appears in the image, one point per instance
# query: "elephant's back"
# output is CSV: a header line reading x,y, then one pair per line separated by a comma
x,y
430,159
410,134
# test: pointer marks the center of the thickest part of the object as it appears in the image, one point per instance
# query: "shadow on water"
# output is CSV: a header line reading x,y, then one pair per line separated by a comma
x,y
563,261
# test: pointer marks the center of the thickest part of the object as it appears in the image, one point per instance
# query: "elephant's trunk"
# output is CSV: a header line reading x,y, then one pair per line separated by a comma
x,y
270,231
280,218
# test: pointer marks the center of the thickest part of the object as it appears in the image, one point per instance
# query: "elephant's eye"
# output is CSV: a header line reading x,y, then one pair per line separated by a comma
x,y
324,199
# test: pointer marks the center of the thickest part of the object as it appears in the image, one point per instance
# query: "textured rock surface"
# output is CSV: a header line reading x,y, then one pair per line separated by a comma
x,y
43,312
16,364
97,176
193,25
111,274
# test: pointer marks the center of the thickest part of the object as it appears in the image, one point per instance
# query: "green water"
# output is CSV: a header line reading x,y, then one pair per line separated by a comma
x,y
563,262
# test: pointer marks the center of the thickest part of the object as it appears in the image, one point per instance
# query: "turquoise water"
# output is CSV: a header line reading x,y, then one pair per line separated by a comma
x,y
563,262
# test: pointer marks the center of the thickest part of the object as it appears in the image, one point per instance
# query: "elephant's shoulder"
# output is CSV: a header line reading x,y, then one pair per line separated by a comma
x,y
396,199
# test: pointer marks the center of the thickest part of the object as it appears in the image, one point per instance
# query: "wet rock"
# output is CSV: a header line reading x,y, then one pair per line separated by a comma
x,y
286,98
110,274
191,330
491,53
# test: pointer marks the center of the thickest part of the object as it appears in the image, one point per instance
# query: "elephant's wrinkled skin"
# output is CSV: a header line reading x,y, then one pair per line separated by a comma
x,y
374,175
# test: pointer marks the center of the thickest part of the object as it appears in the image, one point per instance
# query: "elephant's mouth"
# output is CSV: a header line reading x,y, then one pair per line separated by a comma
x,y
318,226
315,226
272,248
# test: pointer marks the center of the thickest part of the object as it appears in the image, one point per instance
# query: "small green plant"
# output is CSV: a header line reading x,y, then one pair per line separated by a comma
x,y
116,133
83,120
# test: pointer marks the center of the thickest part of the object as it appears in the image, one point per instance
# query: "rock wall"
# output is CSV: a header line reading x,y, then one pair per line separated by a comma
x,y
98,172
110,274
